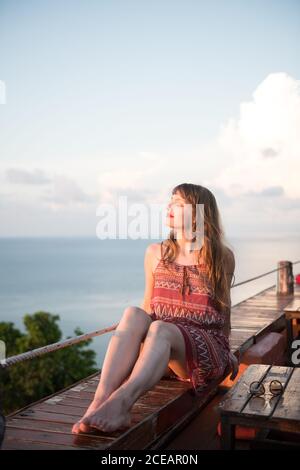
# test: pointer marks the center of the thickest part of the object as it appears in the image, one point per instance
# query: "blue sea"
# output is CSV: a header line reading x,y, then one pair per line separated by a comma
x,y
89,282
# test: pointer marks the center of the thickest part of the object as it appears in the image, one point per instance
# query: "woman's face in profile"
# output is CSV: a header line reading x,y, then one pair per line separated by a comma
x,y
175,211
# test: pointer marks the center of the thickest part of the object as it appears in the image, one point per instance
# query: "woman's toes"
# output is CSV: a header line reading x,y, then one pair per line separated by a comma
x,y
75,428
85,427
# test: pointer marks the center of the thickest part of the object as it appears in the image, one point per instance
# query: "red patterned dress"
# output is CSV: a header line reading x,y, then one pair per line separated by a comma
x,y
182,295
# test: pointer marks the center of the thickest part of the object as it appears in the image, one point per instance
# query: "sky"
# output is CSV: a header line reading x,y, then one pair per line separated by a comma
x,y
101,99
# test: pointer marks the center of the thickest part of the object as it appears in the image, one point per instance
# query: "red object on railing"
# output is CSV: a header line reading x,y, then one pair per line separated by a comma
x,y
297,278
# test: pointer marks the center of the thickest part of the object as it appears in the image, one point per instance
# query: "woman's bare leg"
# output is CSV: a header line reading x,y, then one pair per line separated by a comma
x,y
162,337
121,355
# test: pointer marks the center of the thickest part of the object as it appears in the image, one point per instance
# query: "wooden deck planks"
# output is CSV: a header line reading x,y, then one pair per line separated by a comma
x,y
168,406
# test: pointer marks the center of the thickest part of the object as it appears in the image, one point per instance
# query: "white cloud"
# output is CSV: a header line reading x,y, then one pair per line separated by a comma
x,y
252,167
65,192
261,147
21,176
140,180
44,188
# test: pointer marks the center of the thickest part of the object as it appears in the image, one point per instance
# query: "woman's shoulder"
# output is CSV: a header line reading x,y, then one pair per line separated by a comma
x,y
153,251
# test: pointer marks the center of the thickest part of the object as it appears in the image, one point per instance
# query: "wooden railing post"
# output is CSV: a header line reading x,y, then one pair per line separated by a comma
x,y
285,278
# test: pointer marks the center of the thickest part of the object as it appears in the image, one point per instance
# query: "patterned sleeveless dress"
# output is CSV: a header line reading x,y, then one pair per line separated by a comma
x,y
182,295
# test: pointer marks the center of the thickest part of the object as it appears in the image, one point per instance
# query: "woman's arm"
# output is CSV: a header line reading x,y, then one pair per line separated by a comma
x,y
149,278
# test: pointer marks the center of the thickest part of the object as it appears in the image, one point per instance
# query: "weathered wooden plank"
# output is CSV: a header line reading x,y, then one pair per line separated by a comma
x,y
293,306
255,314
138,413
17,444
81,403
57,428
54,396
241,339
288,406
236,397
61,439
49,426
264,406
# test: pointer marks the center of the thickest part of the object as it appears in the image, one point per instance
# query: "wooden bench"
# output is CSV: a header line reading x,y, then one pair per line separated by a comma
x,y
47,423
266,412
159,414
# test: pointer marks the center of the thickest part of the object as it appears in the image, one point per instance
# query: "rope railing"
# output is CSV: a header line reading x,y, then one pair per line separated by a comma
x,y
4,363
260,275
54,347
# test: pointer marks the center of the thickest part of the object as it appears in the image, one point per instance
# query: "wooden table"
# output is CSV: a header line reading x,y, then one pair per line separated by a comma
x,y
267,412
291,312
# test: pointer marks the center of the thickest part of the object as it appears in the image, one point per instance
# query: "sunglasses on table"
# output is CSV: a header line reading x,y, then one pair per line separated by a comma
x,y
257,389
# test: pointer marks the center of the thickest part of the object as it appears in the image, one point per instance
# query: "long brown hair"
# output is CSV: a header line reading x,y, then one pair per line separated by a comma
x,y
214,249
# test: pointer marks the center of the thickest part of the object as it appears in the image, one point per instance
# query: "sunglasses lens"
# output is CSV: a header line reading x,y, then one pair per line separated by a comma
x,y
256,388
276,387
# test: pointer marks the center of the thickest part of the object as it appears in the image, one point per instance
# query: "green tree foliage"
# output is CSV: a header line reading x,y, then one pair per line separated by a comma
x,y
36,378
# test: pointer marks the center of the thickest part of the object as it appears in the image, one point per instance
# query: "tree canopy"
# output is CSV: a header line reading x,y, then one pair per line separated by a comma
x,y
28,381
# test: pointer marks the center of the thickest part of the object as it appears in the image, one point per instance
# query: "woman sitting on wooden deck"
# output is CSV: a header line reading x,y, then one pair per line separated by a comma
x,y
183,323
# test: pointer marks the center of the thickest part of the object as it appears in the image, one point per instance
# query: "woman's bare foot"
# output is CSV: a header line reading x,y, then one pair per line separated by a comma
x,y
79,426
111,415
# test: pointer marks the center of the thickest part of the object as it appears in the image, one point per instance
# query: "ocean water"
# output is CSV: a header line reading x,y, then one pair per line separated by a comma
x,y
89,282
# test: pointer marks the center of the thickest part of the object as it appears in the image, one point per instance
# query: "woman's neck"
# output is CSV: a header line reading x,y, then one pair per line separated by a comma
x,y
187,253
188,247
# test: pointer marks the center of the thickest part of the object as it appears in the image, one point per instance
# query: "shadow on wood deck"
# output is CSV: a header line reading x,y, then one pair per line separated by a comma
x,y
159,417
